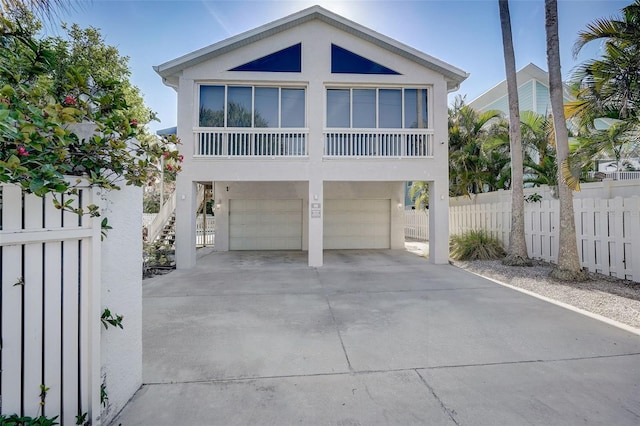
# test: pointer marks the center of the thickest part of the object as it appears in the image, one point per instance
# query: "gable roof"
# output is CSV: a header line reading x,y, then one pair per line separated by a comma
x,y
169,70
524,75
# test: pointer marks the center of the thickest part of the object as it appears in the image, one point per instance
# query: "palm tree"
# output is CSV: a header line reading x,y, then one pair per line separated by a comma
x,y
419,194
609,87
42,8
517,251
472,167
568,267
539,149
617,141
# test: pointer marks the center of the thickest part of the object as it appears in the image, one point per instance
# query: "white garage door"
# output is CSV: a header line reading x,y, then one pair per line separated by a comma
x,y
355,224
265,224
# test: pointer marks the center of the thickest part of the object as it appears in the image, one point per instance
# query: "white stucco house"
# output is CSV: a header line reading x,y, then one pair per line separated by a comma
x,y
307,128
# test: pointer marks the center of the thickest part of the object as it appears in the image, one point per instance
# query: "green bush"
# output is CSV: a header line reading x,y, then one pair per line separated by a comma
x,y
476,245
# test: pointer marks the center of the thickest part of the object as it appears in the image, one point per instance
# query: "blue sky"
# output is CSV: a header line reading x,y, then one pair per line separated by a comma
x,y
464,33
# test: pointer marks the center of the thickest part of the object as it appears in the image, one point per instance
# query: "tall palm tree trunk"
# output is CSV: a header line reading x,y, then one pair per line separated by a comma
x,y
517,252
568,261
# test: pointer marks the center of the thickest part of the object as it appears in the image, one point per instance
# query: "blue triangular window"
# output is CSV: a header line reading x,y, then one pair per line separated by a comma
x,y
285,60
346,62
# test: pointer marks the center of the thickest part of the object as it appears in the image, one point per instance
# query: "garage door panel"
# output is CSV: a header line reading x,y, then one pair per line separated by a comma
x,y
265,224
355,224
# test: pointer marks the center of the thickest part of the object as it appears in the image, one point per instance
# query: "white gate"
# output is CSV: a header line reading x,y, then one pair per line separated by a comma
x,y
50,301
416,224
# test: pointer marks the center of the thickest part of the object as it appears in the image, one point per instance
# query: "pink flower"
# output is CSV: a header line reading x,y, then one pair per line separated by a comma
x,y
134,123
69,100
22,151
169,167
165,154
181,158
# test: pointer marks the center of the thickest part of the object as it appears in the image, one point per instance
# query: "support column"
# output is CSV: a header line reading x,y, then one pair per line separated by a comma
x,y
316,218
185,223
439,221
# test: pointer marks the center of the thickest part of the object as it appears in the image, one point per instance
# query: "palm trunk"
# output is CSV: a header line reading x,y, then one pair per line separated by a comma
x,y
517,252
568,260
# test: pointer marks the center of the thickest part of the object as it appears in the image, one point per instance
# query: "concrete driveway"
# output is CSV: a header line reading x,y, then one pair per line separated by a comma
x,y
373,337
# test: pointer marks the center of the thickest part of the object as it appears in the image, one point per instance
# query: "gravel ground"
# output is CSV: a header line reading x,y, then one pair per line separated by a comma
x,y
610,297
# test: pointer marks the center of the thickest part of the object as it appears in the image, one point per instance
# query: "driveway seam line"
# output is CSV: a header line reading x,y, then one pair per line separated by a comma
x,y
310,293
530,361
335,323
451,413
392,370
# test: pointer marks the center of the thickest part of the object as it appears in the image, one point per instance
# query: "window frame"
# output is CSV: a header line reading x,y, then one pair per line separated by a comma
x,y
253,86
351,88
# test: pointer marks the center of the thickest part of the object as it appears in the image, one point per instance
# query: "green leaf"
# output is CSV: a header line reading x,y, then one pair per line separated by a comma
x,y
36,185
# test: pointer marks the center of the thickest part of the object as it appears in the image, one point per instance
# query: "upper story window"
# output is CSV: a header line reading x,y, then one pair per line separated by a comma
x,y
344,61
285,60
252,106
392,108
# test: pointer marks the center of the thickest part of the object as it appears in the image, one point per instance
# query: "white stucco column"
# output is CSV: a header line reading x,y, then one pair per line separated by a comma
x,y
439,221
185,223
397,215
121,293
316,218
186,197
439,187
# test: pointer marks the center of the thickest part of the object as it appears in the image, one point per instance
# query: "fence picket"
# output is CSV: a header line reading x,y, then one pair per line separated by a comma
x,y
32,315
52,329
69,330
617,237
11,305
602,237
632,234
11,329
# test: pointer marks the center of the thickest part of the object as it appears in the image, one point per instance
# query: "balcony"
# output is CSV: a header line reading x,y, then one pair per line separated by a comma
x,y
250,142
378,143
294,143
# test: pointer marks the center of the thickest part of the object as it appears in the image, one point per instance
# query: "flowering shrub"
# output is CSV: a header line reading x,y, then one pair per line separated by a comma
x,y
42,105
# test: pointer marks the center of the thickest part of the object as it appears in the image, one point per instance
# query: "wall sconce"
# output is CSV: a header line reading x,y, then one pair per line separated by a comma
x,y
218,206
400,206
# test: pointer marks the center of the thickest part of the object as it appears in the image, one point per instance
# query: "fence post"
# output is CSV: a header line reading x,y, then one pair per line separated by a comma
x,y
633,236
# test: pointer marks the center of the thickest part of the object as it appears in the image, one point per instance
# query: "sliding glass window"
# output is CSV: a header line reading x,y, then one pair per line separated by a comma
x,y
415,109
252,106
383,108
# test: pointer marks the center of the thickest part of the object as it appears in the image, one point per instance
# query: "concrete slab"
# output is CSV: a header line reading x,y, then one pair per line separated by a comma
x,y
596,391
240,336
394,398
373,337
400,330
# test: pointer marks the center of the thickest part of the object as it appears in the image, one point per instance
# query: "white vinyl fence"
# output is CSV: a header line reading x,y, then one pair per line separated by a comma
x,y
416,224
49,305
607,230
205,231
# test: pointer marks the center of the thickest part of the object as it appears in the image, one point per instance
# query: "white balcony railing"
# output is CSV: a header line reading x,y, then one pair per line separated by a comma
x,y
625,175
250,142
378,143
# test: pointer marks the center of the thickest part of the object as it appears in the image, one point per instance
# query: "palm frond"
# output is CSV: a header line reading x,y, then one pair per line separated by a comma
x,y
568,177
